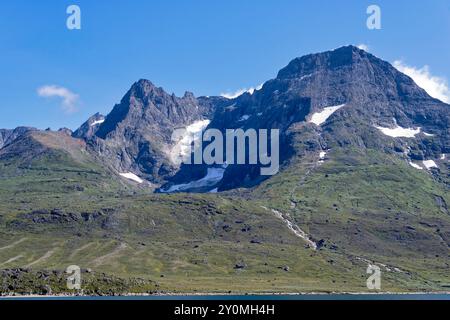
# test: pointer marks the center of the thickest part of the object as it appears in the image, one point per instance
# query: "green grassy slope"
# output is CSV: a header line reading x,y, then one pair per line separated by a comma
x,y
369,205
59,210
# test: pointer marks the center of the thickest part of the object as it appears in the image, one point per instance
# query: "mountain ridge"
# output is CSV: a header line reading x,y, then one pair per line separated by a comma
x,y
373,92
364,179
136,135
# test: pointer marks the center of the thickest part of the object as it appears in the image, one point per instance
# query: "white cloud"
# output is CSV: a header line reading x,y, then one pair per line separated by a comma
x,y
69,99
436,87
364,47
232,95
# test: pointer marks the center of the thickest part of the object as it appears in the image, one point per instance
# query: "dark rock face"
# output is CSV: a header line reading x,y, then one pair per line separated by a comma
x,y
66,131
51,216
8,136
136,135
90,127
23,148
146,107
104,218
374,94
240,265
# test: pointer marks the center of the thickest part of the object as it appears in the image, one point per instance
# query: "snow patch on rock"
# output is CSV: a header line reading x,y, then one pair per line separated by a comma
x,y
429,164
97,122
182,147
131,176
319,118
305,76
412,164
233,95
399,132
322,156
213,177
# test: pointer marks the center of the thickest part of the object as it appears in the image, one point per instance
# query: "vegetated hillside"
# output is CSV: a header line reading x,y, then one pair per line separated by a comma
x,y
351,190
220,242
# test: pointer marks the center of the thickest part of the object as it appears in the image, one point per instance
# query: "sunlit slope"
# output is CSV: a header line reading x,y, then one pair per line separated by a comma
x,y
58,208
367,204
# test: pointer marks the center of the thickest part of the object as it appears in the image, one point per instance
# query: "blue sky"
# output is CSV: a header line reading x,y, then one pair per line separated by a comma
x,y
207,47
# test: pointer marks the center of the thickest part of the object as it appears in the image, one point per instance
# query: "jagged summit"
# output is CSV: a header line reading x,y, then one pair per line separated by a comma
x,y
363,179
90,127
364,93
136,135
145,88
305,65
9,135
149,104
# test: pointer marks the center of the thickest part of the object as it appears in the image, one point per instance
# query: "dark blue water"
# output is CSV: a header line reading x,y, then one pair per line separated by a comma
x,y
341,297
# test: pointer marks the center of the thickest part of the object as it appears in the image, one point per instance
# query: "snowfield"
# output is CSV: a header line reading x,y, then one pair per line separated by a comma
x,y
213,176
182,148
319,118
306,76
97,122
399,132
322,155
132,176
429,164
240,92
412,164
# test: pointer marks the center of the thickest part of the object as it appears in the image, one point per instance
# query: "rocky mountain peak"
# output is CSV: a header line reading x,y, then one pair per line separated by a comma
x,y
329,60
146,105
90,127
145,89
363,92
188,95
136,135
